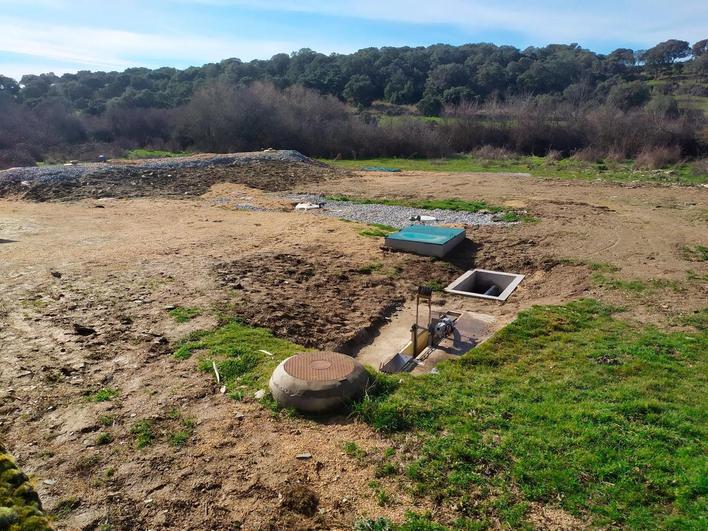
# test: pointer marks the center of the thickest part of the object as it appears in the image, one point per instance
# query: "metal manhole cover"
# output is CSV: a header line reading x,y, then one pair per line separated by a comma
x,y
319,366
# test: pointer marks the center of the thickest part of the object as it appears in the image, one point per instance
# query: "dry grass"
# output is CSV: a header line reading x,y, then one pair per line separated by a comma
x,y
589,154
657,157
493,153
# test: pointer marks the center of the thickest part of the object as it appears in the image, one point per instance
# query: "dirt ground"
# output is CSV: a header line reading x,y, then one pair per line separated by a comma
x,y
117,266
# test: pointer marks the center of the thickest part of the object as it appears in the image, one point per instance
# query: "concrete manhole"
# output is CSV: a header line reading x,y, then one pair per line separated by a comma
x,y
485,284
316,382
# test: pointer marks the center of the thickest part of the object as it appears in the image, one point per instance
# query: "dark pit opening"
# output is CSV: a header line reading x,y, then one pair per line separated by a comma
x,y
485,284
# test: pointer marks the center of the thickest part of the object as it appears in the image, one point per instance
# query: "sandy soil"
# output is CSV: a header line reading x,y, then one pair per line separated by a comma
x,y
118,268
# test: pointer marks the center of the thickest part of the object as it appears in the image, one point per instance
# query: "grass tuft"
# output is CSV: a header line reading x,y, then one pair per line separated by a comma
x,y
104,395
182,315
154,153
377,230
143,433
695,253
104,438
352,449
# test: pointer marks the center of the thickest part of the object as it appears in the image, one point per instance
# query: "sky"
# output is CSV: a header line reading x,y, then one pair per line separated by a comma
x,y
69,35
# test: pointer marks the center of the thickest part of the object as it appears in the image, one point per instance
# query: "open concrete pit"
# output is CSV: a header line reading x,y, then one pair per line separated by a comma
x,y
485,284
390,350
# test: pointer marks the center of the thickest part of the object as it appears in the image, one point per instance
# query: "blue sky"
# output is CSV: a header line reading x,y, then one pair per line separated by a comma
x,y
69,35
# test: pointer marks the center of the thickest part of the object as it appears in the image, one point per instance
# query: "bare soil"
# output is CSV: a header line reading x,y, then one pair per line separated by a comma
x,y
117,269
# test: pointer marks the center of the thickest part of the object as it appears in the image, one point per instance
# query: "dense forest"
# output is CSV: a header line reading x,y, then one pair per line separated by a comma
x,y
558,97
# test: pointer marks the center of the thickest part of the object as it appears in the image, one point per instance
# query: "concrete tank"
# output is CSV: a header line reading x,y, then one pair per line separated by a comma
x,y
317,382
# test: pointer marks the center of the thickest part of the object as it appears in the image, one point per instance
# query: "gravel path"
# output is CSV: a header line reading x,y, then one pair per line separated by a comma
x,y
48,174
395,216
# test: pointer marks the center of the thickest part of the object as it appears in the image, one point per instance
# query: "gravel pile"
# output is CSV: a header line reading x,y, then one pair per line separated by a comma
x,y
395,216
273,171
47,174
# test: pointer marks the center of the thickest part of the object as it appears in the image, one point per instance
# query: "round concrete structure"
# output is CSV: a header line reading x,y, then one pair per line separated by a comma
x,y
316,382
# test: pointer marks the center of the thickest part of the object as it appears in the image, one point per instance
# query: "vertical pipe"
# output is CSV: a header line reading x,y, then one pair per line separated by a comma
x,y
414,339
417,306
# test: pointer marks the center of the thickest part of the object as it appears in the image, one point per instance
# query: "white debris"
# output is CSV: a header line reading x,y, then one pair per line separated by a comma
x,y
308,206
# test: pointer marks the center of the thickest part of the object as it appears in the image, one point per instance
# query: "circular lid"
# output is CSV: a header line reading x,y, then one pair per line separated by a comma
x,y
319,366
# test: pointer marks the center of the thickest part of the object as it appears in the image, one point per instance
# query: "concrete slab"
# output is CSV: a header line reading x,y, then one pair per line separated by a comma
x,y
427,240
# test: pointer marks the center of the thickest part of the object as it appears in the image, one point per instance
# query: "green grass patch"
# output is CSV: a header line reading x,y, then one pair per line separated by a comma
x,y
143,433
603,267
605,281
456,205
383,498
435,285
20,508
377,524
695,253
352,449
385,468
104,438
104,395
377,230
236,348
697,319
637,286
544,167
154,154
181,436
413,522
106,420
567,406
182,315
370,268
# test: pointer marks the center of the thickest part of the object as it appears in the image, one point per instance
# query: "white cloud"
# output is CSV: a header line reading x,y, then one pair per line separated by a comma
x,y
109,49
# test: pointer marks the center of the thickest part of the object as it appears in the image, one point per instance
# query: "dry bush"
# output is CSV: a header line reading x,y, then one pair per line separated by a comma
x,y
407,137
471,126
657,157
589,154
554,155
615,155
88,152
15,157
492,153
700,166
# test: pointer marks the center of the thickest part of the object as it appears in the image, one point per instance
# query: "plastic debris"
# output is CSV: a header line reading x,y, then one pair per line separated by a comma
x,y
380,168
308,206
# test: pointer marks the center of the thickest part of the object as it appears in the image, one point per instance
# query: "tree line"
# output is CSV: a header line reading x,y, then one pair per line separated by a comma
x,y
215,106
